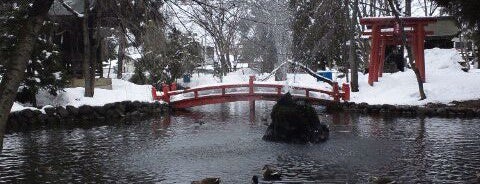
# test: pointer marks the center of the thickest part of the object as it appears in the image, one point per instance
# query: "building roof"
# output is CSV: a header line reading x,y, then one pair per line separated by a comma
x,y
445,26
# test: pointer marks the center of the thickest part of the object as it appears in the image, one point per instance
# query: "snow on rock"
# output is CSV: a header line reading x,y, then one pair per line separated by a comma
x,y
19,107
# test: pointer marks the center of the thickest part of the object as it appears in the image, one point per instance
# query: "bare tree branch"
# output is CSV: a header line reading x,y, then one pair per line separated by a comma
x,y
70,9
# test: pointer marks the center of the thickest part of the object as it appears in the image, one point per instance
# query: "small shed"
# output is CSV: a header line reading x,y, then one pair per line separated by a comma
x,y
69,35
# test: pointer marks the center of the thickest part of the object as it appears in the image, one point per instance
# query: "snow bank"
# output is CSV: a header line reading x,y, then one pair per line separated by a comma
x,y
446,82
19,107
121,91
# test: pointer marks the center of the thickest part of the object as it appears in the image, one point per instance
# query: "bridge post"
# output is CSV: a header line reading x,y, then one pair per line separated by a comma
x,y
252,110
154,93
336,92
166,96
251,101
346,92
173,86
250,85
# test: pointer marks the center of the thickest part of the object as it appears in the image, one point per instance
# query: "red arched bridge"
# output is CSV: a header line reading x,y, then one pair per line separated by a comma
x,y
179,99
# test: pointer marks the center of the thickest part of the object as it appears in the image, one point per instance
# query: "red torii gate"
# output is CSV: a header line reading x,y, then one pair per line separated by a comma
x,y
386,31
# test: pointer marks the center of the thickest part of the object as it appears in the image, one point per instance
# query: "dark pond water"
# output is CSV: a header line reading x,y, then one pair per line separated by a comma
x,y
219,140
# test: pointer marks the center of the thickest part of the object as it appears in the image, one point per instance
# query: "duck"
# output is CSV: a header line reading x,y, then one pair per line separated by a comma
x,y
255,179
44,170
207,181
269,172
382,180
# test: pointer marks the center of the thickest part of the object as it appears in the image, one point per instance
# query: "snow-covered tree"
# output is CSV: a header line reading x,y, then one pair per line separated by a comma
x,y
166,58
29,16
319,33
44,69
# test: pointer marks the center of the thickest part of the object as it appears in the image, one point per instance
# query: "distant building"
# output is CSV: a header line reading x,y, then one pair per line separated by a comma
x,y
444,30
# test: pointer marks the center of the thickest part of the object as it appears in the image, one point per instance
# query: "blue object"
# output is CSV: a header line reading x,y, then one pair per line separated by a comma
x,y
325,74
186,78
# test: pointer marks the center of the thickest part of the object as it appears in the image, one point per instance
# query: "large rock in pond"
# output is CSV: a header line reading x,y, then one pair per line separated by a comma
x,y
295,122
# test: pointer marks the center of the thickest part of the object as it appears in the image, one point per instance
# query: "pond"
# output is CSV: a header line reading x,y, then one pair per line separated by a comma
x,y
221,141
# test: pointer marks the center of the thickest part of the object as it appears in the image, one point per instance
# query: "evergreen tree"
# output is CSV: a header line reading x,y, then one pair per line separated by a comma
x,y
319,33
29,17
167,59
44,69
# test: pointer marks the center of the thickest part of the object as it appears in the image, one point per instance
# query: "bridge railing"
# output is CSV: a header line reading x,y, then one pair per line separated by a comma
x,y
169,91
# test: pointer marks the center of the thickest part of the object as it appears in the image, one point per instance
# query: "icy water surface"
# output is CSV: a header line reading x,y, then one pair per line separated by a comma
x,y
219,140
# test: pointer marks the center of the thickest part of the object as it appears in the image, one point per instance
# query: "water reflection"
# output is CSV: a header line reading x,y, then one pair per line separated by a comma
x,y
221,140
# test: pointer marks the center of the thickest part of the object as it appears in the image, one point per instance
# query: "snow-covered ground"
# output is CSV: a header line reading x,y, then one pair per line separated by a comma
x,y
446,82
121,91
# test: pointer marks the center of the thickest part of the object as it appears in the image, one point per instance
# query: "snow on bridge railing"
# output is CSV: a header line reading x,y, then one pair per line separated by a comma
x,y
169,91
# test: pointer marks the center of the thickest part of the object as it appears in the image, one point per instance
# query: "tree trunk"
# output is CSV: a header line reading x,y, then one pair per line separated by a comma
x,y
410,55
97,60
408,8
229,62
280,33
425,7
353,60
94,52
121,53
477,43
101,57
86,65
16,65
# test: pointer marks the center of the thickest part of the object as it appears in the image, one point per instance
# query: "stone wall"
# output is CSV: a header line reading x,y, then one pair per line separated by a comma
x,y
431,110
113,112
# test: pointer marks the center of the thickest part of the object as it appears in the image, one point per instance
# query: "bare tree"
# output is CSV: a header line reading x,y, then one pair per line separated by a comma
x,y
353,58
220,20
17,63
428,7
410,55
122,44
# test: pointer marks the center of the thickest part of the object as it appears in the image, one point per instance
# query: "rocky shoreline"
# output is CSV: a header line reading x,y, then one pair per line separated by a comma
x,y
455,110
134,111
57,116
